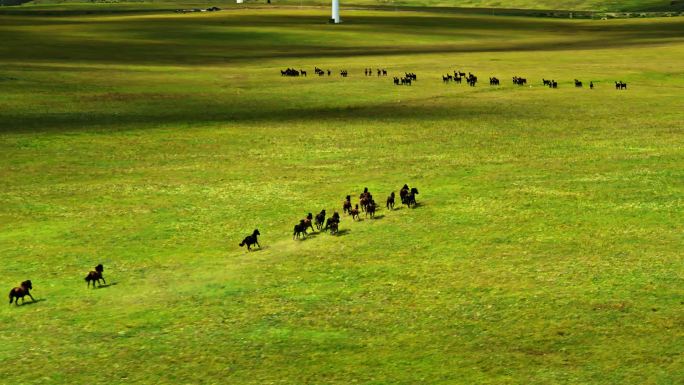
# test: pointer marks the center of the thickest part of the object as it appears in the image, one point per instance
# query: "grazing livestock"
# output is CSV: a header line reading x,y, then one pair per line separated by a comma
x,y
320,220
519,81
447,78
493,81
251,240
591,85
20,292
546,82
578,84
344,73
471,79
620,85
95,276
384,72
390,201
290,72
402,81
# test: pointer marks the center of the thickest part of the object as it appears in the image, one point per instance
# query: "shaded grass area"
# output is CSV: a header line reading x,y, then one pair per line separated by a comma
x,y
546,248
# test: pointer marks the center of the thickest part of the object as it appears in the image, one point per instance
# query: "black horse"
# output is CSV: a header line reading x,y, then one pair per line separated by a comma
x,y
300,229
251,240
308,222
320,220
333,224
411,198
21,292
95,276
370,209
346,206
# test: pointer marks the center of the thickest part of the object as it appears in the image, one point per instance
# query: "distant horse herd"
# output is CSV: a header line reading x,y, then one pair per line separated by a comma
x,y
457,77
406,80
322,223
380,72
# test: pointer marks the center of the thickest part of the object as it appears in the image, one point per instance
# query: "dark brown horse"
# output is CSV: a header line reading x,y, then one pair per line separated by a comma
x,y
21,292
403,193
251,240
333,223
346,206
390,201
364,203
95,276
308,221
355,212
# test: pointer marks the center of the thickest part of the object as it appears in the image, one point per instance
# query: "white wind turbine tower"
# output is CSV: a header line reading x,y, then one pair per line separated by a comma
x,y
335,12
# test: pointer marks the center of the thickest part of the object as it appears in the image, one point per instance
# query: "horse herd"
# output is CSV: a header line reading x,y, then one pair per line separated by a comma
x,y
406,80
366,205
380,72
24,288
457,77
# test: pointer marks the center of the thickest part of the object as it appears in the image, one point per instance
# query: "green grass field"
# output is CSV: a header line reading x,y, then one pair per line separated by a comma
x,y
547,247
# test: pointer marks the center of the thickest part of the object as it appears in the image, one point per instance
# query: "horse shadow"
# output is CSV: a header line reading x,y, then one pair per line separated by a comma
x,y
32,302
106,285
342,232
378,216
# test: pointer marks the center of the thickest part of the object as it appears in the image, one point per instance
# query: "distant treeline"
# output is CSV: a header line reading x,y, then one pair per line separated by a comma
x,y
12,2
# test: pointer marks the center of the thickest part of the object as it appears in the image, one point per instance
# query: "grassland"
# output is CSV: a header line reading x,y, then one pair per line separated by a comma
x,y
547,248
